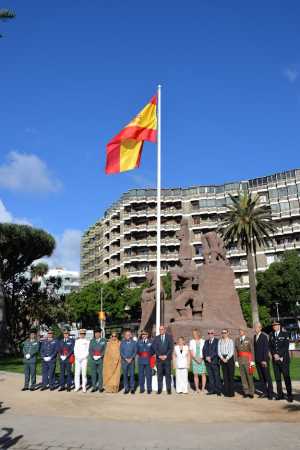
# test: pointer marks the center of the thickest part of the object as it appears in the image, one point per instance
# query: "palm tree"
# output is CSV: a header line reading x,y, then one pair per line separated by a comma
x,y
38,271
248,224
6,14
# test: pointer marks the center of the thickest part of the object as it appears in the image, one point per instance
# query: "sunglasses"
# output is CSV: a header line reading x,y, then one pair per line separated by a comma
x,y
210,333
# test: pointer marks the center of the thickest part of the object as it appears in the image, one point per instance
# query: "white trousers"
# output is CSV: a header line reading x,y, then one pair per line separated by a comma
x,y
181,381
80,368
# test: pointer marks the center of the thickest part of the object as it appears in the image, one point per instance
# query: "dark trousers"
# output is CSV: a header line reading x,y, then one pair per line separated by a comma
x,y
214,380
163,369
128,375
265,378
97,373
145,371
30,374
48,373
65,373
228,376
282,368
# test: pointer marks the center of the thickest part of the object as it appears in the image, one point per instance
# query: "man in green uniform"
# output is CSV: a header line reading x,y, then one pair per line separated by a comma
x,y
245,361
30,350
96,353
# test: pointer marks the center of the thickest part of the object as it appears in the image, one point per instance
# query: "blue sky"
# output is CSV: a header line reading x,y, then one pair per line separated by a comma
x,y
72,73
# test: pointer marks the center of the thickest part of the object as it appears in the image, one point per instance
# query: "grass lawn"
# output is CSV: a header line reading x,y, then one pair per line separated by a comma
x,y
15,364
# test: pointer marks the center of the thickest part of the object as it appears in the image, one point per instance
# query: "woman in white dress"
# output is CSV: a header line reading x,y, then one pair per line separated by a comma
x,y
198,364
181,361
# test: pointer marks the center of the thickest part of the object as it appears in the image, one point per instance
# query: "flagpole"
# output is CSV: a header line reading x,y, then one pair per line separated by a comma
x,y
158,209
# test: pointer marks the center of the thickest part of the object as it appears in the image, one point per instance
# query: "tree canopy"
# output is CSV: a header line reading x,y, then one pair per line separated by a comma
x,y
281,283
119,301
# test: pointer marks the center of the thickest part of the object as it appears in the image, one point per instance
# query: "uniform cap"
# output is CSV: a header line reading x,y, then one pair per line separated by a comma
x,y
97,330
275,323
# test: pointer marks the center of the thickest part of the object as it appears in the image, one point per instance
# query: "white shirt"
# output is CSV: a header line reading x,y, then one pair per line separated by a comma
x,y
181,357
81,348
192,346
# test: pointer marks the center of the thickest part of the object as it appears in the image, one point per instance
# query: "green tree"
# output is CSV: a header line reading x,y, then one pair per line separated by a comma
x,y
248,225
6,14
38,271
118,301
20,246
264,313
280,283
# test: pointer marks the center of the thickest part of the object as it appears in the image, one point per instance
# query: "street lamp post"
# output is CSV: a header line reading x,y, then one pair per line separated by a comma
x,y
277,311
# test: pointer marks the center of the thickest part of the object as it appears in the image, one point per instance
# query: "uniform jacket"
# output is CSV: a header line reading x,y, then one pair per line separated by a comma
x,y
97,348
211,349
128,348
31,348
160,348
244,346
49,348
66,347
81,348
144,351
279,344
261,347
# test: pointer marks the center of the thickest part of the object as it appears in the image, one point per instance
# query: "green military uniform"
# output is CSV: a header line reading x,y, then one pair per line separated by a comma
x,y
244,355
96,353
30,350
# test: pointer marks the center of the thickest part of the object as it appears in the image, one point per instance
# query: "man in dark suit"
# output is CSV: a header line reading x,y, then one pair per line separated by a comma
x,y
162,347
279,348
212,362
262,361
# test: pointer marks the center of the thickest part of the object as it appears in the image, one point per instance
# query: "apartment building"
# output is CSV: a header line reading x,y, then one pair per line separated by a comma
x,y
123,242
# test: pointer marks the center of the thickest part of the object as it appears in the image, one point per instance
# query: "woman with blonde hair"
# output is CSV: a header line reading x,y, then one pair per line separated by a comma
x,y
198,364
112,365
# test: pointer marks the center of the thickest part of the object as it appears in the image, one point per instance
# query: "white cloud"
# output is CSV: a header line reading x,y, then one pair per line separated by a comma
x,y
67,252
291,74
7,217
27,172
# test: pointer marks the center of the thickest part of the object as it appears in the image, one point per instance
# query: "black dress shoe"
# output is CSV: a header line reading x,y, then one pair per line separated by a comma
x,y
68,389
94,389
101,390
32,388
132,391
290,399
149,392
126,392
251,396
219,394
52,389
279,397
44,388
61,389
142,391
25,389
169,392
158,392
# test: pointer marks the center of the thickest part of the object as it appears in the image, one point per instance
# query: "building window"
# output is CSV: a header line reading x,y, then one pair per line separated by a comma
x,y
292,190
284,206
282,192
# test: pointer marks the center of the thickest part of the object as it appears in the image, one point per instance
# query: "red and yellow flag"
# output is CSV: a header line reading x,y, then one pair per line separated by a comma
x,y
124,151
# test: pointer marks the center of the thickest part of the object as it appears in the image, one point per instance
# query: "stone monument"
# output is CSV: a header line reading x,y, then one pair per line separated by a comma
x,y
203,296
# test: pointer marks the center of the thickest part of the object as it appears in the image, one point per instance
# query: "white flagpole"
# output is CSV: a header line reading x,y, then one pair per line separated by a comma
x,y
158,208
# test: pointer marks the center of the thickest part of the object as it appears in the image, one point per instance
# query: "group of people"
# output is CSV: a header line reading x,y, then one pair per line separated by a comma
x,y
205,357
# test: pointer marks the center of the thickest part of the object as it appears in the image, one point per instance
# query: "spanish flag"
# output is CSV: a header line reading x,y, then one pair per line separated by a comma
x,y
124,151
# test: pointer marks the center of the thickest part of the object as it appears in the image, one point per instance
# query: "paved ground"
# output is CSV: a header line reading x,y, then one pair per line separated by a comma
x,y
44,420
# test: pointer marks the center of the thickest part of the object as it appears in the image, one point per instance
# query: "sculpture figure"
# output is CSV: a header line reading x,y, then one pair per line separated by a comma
x,y
213,248
185,280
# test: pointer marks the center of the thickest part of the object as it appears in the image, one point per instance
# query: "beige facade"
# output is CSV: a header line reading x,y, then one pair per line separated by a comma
x,y
123,242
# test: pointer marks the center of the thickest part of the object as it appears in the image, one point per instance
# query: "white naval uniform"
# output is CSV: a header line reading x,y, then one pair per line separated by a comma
x,y
81,353
182,369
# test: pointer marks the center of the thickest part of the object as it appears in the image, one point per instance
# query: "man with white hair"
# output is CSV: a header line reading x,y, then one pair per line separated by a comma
x,y
81,353
262,361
